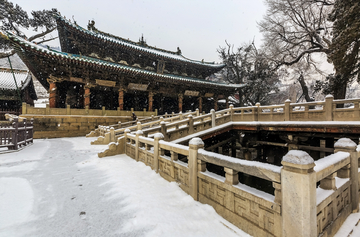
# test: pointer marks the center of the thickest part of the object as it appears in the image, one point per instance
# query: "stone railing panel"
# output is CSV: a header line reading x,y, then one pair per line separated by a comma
x,y
333,211
253,214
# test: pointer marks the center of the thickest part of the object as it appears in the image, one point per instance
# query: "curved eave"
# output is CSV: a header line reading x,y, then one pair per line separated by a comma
x,y
87,61
133,46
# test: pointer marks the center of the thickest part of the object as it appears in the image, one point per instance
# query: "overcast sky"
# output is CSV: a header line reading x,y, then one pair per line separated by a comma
x,y
198,27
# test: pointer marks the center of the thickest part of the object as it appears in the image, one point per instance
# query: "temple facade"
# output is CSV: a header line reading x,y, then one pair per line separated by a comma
x,y
97,69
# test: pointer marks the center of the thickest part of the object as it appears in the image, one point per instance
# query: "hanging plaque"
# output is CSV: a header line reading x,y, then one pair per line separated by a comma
x,y
209,94
105,83
138,87
191,93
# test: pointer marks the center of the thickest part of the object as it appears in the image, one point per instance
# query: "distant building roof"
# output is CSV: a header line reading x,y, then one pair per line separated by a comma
x,y
111,39
7,82
26,45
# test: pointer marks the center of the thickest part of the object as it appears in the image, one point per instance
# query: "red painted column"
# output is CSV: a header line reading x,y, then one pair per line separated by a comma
x,y
87,97
180,99
52,94
121,99
151,100
200,104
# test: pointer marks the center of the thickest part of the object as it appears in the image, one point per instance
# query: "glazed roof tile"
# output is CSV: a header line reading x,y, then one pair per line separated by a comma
x,y
123,68
7,81
135,46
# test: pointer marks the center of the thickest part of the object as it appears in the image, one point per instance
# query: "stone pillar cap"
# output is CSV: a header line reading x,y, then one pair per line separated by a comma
x,y
196,141
139,132
159,135
298,159
345,143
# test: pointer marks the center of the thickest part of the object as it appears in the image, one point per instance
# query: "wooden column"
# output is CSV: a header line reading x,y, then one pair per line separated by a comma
x,y
121,98
87,96
53,92
200,104
215,102
151,100
180,98
227,101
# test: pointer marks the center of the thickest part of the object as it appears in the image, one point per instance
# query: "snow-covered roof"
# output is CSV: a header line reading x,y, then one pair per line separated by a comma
x,y
114,66
134,46
7,81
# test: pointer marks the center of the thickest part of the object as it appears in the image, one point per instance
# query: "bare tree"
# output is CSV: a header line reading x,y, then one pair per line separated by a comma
x,y
295,30
247,65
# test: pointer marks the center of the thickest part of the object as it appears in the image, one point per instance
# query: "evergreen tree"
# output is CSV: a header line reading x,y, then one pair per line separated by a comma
x,y
13,18
345,44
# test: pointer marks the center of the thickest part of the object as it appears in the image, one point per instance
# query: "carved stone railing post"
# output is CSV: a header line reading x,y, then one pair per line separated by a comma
x,y
126,139
231,112
287,110
329,107
138,126
191,124
137,143
157,138
180,115
256,111
197,112
347,145
298,188
213,118
194,144
231,176
163,129
112,134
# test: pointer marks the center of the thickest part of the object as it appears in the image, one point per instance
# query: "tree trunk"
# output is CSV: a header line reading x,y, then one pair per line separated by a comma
x,y
305,89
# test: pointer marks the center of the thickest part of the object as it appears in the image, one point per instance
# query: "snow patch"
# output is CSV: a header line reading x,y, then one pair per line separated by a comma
x,y
330,160
345,143
16,201
196,141
298,157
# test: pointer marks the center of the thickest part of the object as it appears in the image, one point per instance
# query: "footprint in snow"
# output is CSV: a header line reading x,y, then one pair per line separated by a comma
x,y
82,215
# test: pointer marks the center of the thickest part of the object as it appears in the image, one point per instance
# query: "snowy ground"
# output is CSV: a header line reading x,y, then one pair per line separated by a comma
x,y
58,187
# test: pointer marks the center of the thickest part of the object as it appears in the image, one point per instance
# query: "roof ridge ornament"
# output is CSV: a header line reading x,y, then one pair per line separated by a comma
x,y
142,42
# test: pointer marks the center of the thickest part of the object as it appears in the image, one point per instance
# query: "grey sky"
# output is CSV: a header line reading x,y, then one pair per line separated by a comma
x,y
198,27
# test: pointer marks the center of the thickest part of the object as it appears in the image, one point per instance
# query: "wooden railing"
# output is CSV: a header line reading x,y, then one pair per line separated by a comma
x,y
8,111
16,134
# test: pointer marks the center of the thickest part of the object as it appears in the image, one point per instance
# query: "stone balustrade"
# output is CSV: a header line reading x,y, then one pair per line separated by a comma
x,y
297,207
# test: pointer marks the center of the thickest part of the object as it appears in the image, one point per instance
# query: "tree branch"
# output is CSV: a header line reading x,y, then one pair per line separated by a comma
x,y
47,40
42,34
7,54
